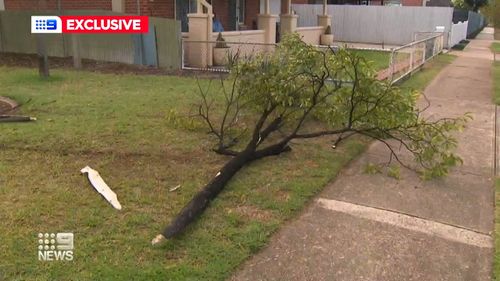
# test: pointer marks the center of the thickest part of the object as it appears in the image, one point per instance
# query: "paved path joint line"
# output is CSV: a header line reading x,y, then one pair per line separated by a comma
x,y
433,228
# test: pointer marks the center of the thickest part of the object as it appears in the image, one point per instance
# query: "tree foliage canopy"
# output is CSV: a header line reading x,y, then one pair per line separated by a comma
x,y
300,92
298,84
476,4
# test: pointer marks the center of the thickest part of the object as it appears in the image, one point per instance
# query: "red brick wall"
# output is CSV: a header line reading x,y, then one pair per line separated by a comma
x,y
52,4
155,8
131,7
252,10
221,8
162,8
411,2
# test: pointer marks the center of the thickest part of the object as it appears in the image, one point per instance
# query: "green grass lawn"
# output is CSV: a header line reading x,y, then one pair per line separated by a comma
x,y
379,59
419,80
496,262
118,125
496,99
496,82
495,47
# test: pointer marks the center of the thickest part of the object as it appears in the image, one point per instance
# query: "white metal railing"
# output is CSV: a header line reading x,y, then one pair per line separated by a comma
x,y
403,60
406,59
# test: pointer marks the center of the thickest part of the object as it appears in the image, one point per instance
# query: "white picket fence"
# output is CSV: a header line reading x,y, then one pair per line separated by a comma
x,y
458,33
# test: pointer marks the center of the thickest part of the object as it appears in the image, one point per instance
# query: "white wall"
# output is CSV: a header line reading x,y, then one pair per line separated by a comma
x,y
311,35
377,24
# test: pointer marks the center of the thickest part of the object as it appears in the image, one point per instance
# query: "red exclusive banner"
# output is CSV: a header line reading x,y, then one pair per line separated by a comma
x,y
105,24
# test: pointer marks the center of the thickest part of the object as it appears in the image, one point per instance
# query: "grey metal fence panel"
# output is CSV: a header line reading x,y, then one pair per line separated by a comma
x,y
101,47
161,49
476,24
106,47
377,24
145,52
168,41
16,37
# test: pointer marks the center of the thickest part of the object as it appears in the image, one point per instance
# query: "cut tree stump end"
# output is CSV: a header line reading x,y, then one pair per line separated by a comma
x,y
158,240
7,105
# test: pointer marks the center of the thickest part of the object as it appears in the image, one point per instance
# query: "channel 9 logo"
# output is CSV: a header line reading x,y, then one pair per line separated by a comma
x,y
89,24
46,24
55,246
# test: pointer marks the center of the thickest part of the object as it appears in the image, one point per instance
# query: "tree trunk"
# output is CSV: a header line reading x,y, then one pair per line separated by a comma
x,y
201,200
43,61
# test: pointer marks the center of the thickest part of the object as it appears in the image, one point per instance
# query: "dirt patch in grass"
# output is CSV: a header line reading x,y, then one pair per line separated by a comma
x,y
31,61
380,60
253,213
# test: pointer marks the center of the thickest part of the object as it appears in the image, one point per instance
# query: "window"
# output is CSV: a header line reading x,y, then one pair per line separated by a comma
x,y
392,3
183,8
240,11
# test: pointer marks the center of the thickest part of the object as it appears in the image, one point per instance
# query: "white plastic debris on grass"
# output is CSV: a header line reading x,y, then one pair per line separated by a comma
x,y
174,188
101,187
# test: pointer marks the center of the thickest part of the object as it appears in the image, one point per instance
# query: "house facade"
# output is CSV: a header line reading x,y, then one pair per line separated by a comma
x,y
427,3
233,14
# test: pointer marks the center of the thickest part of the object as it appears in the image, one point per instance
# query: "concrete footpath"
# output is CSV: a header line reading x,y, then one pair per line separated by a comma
x,y
373,227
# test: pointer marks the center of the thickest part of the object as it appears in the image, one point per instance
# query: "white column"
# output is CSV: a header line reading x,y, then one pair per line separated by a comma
x,y
116,6
268,24
200,29
2,5
324,19
201,4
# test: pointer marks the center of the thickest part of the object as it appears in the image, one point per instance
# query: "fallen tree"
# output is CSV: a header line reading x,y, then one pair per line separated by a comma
x,y
291,91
